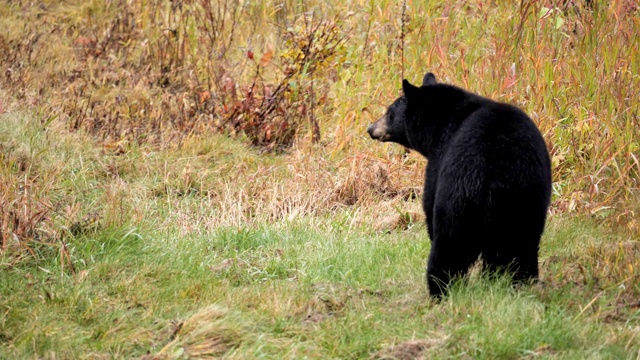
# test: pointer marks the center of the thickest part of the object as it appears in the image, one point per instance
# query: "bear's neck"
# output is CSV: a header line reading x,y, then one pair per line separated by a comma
x,y
442,125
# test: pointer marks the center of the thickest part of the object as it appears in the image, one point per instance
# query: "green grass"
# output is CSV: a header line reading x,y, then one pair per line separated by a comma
x,y
285,290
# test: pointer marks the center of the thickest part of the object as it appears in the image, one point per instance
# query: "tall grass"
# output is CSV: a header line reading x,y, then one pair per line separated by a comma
x,y
152,71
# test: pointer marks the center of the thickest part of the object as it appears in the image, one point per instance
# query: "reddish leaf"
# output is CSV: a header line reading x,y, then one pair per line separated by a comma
x,y
204,96
266,58
83,41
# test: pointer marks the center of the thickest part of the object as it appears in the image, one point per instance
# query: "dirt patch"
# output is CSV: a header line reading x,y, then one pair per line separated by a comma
x,y
543,350
399,221
409,350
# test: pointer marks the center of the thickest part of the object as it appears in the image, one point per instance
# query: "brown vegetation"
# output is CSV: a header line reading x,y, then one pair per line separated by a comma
x,y
306,79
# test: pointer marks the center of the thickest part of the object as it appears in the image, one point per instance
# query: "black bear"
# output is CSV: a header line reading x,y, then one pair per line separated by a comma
x,y
488,179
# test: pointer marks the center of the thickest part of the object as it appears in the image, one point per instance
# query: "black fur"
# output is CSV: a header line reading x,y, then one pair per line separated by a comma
x,y
488,179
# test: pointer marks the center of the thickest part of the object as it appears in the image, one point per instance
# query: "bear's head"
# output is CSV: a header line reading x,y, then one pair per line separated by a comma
x,y
393,125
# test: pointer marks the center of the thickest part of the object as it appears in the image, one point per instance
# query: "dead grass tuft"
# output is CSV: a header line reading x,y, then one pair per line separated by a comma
x,y
208,333
26,209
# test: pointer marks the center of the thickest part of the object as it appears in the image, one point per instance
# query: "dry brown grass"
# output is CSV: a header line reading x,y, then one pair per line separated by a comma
x,y
207,334
307,78
159,72
290,189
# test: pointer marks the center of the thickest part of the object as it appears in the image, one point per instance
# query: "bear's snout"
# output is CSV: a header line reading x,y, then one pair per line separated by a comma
x,y
378,130
371,129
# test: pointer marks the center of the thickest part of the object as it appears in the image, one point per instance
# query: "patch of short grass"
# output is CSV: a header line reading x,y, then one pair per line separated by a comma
x,y
289,290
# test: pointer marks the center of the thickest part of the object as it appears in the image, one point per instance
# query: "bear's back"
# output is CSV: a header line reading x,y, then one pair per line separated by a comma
x,y
499,144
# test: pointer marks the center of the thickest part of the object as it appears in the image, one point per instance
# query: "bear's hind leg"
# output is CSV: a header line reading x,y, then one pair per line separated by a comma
x,y
446,265
520,261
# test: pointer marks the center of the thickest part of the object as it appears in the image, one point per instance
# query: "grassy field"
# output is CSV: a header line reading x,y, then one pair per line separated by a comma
x,y
194,180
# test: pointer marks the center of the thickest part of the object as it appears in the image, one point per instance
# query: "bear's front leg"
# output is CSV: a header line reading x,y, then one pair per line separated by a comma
x,y
429,195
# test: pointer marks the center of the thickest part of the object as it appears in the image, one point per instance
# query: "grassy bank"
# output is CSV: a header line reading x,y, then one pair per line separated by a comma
x,y
162,273
282,291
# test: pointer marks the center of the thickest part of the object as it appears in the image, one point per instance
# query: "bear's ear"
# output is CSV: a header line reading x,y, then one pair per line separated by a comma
x,y
429,79
410,92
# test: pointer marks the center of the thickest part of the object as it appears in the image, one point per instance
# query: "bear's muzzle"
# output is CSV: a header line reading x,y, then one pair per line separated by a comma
x,y
378,130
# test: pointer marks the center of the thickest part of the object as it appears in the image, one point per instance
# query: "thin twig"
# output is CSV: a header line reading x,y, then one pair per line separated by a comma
x,y
404,9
